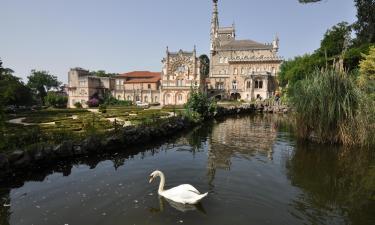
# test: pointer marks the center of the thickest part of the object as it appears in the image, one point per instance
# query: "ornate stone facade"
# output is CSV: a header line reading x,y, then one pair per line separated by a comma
x,y
179,75
241,69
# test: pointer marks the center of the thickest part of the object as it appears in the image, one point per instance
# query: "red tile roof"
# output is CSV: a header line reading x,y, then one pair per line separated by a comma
x,y
139,74
141,77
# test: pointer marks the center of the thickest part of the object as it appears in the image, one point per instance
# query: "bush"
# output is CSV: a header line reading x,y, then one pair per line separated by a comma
x,y
111,101
103,108
78,105
55,100
93,102
200,103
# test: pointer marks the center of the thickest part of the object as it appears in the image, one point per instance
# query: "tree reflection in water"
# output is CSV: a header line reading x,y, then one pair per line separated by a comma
x,y
338,184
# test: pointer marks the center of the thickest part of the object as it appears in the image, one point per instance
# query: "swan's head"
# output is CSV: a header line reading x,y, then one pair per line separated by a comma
x,y
154,174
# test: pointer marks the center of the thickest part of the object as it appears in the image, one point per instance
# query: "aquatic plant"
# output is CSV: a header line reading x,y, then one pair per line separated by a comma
x,y
330,108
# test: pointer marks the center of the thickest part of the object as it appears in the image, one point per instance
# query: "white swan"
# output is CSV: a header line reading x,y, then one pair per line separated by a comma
x,y
185,193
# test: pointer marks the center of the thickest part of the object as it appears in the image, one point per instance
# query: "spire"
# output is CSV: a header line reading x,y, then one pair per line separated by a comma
x,y
275,43
214,24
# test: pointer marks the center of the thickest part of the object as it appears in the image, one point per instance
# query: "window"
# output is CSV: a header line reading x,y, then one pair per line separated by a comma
x,y
181,69
156,98
235,71
248,84
179,97
242,71
82,83
258,84
219,85
234,85
146,98
119,96
128,97
149,86
221,60
226,60
179,83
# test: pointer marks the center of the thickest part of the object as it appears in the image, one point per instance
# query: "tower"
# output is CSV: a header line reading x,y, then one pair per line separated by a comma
x,y
214,26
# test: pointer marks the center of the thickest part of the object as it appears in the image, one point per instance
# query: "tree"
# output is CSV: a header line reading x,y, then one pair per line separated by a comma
x,y
12,90
367,72
41,82
102,73
204,65
55,100
335,40
365,26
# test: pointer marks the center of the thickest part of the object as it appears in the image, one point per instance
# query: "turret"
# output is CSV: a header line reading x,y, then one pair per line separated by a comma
x,y
214,25
275,44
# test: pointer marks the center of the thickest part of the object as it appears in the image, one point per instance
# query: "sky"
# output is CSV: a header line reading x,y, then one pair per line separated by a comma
x,y
124,35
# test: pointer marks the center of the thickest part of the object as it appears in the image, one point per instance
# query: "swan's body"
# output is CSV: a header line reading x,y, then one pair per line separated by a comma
x,y
185,193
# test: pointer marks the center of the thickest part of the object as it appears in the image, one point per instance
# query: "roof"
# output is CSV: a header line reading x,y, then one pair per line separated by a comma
x,y
224,30
139,74
140,77
244,45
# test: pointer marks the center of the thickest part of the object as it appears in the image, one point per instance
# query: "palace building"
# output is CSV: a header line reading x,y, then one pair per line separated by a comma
x,y
241,69
180,73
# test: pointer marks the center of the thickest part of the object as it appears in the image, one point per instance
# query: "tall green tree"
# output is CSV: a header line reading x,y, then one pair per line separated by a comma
x,y
365,25
204,65
12,90
41,82
335,40
102,73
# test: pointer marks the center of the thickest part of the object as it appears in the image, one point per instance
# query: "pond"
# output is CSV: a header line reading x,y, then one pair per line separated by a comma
x,y
253,169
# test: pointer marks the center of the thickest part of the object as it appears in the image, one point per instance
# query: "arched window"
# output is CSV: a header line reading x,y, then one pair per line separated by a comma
x,y
235,71
242,71
129,98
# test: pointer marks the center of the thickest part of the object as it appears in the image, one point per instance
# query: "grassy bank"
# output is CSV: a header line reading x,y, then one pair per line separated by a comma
x,y
55,125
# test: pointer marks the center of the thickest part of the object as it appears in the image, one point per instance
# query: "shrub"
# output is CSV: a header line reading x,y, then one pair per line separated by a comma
x,y
93,102
55,100
199,102
102,108
78,105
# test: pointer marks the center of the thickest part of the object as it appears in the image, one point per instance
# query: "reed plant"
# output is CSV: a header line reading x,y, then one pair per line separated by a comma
x,y
330,108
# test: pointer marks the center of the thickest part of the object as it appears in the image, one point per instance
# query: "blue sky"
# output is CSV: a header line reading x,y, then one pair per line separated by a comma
x,y
125,35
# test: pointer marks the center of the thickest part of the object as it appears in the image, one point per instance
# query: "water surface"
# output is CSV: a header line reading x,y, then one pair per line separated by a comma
x,y
252,167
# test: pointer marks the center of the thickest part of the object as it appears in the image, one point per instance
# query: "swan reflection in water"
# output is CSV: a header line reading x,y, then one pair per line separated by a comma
x,y
178,206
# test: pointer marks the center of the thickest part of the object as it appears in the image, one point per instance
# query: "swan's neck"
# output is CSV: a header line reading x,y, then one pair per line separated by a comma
x,y
162,182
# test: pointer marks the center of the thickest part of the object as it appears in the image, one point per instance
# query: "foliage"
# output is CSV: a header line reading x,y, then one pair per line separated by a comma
x,y
12,90
333,46
103,108
366,79
102,73
78,105
328,104
93,102
41,82
365,25
110,100
200,103
55,100
204,65
334,40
